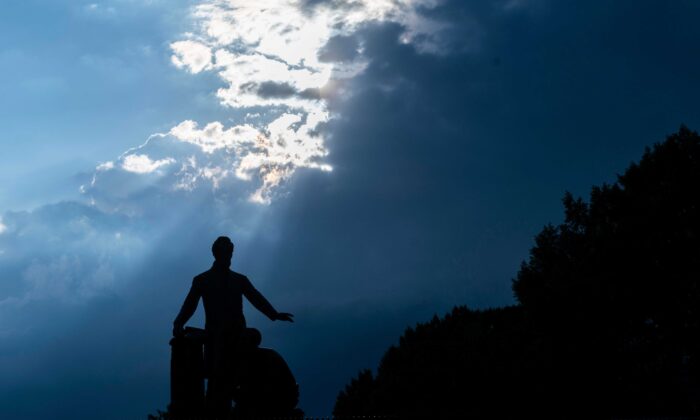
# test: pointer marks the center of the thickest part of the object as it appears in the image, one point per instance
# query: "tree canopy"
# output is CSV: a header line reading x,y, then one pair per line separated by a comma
x,y
606,323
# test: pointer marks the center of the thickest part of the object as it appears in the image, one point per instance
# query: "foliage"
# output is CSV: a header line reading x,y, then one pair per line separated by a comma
x,y
607,322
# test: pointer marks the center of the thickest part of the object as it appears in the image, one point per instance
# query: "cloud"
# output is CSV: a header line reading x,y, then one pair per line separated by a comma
x,y
191,55
67,278
189,157
273,89
283,60
67,252
105,166
256,42
99,10
340,48
141,164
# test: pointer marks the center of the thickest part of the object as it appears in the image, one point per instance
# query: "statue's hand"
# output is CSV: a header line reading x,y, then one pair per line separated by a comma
x,y
284,316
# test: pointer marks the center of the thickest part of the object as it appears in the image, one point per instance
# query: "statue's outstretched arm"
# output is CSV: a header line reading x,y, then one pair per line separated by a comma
x,y
258,300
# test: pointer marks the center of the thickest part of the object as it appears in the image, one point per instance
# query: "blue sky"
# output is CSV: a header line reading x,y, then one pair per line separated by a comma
x,y
373,164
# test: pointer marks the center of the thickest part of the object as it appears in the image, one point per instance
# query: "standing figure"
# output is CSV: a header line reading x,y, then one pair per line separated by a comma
x,y
222,291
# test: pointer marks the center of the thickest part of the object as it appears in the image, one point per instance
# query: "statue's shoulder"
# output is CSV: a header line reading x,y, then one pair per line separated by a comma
x,y
202,276
238,276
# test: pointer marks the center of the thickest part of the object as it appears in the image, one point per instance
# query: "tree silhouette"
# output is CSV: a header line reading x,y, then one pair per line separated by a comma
x,y
607,322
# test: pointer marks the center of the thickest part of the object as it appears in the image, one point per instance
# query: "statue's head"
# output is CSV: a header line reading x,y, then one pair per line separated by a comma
x,y
222,248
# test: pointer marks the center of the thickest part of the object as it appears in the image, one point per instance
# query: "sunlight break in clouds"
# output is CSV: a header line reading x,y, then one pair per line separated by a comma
x,y
274,60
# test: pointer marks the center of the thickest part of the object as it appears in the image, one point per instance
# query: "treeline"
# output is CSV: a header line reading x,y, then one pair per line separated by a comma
x,y
607,322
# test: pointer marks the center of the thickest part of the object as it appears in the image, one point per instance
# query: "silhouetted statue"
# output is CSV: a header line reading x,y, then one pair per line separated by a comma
x,y
263,388
221,291
267,387
187,375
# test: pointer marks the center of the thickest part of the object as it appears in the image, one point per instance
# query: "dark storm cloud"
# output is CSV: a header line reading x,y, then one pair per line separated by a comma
x,y
269,90
340,48
446,166
310,93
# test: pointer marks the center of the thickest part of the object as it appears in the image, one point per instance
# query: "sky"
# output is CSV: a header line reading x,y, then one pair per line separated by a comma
x,y
375,163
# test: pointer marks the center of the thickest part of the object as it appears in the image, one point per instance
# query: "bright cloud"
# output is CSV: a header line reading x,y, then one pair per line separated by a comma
x,y
277,60
191,55
142,164
214,136
287,145
3,228
105,166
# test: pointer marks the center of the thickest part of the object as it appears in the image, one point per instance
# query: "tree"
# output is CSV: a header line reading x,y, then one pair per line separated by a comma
x,y
607,321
